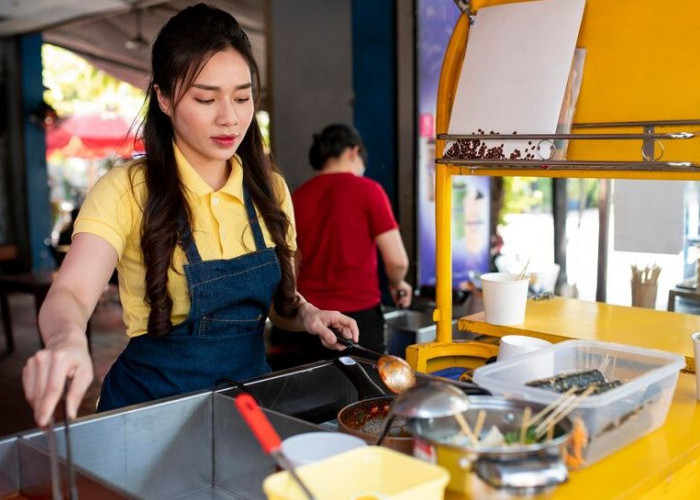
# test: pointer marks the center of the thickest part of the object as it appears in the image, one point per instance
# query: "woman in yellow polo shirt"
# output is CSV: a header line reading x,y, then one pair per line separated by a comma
x,y
201,233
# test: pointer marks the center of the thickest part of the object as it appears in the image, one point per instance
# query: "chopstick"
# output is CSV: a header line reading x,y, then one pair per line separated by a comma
x,y
72,486
56,493
56,483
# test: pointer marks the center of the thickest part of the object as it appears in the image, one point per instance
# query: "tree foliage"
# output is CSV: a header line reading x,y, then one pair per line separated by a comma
x,y
74,86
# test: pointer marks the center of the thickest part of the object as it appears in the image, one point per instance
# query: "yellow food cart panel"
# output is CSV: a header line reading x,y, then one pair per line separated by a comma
x,y
661,464
560,319
641,64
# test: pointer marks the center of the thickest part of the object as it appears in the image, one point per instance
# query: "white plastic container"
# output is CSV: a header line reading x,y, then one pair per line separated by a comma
x,y
505,298
612,419
519,345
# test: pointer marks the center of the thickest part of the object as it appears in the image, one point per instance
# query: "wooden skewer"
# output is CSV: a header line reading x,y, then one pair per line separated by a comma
x,y
466,429
551,406
562,412
542,426
522,273
525,424
550,432
480,419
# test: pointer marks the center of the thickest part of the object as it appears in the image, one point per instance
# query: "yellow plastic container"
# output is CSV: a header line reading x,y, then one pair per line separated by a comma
x,y
367,473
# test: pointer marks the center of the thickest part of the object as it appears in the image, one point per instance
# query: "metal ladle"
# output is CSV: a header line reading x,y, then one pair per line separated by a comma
x,y
430,400
395,372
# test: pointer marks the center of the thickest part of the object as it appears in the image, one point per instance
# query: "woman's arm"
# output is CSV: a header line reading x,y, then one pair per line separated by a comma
x,y
395,260
63,318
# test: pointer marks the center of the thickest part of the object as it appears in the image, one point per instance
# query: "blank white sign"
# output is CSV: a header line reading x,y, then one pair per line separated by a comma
x,y
648,216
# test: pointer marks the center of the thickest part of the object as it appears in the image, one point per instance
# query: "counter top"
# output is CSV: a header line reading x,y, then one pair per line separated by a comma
x,y
559,319
664,463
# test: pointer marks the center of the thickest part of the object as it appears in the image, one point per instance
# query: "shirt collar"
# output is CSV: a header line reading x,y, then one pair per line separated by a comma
x,y
197,186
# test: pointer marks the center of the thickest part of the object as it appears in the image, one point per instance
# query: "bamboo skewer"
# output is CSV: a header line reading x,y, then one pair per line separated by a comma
x,y
480,419
525,424
522,273
550,432
562,412
551,406
466,429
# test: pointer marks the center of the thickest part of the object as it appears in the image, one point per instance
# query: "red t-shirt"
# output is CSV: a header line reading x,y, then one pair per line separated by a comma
x,y
338,217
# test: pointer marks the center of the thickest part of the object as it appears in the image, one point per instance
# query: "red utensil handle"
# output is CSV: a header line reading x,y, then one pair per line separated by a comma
x,y
258,422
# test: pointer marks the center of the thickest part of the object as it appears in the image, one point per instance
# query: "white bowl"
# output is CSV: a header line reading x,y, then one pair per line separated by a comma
x,y
310,447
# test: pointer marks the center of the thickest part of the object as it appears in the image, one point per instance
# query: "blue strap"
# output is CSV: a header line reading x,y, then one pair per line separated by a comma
x,y
253,220
187,242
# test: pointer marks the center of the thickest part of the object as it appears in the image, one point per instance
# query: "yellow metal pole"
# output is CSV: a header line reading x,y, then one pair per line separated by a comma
x,y
449,76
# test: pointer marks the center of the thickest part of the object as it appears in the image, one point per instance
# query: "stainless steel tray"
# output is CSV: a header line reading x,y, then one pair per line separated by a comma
x,y
25,468
194,446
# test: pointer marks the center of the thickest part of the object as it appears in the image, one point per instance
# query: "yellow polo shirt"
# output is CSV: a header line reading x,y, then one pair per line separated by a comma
x,y
112,211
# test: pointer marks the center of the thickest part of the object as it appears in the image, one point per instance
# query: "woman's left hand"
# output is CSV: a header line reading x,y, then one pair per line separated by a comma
x,y
318,322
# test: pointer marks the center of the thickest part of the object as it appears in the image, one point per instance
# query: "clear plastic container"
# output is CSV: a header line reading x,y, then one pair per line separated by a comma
x,y
370,472
612,419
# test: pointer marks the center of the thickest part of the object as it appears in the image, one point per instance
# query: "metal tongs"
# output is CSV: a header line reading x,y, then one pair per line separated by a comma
x,y
56,486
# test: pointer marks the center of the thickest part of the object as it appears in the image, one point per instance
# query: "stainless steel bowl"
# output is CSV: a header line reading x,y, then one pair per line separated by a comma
x,y
508,471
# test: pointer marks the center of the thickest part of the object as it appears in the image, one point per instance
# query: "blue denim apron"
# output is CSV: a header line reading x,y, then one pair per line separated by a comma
x,y
222,336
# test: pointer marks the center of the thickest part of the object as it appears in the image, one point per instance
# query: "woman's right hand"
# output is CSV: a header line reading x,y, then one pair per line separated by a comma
x,y
402,294
45,375
63,319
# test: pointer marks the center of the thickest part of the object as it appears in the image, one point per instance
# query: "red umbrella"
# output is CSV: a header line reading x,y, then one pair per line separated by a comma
x,y
93,135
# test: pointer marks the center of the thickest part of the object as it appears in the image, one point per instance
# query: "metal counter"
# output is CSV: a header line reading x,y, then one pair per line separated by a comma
x,y
194,446
187,447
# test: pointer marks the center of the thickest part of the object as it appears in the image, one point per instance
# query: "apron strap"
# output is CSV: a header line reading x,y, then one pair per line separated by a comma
x,y
253,220
187,242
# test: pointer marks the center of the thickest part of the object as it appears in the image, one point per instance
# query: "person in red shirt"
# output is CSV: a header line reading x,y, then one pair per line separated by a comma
x,y
342,218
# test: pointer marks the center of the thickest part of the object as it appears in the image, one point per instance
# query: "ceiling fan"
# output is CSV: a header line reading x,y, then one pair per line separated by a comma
x,y
137,42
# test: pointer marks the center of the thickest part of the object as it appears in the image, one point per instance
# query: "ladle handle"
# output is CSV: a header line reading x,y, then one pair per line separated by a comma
x,y
258,423
366,387
267,436
350,343
344,341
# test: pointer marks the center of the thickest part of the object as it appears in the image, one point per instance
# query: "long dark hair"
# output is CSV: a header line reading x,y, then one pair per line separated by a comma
x,y
182,48
332,141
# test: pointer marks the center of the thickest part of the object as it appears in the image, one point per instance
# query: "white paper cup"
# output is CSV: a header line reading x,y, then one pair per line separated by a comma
x,y
505,298
310,447
696,350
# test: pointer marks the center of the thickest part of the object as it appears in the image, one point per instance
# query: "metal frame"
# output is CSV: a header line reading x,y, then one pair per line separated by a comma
x,y
650,138
648,167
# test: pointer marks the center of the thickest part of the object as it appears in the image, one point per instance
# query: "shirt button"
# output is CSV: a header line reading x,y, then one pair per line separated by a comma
x,y
223,235
215,201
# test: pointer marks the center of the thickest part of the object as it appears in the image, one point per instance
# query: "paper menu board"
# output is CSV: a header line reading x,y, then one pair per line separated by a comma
x,y
515,72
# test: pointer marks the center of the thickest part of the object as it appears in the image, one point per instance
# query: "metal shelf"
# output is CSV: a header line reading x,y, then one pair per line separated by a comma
x,y
649,137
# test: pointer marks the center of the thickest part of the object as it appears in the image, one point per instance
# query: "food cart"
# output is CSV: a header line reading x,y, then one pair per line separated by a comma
x,y
640,87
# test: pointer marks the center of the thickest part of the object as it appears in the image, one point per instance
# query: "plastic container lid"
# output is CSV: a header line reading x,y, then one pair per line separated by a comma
x,y
637,367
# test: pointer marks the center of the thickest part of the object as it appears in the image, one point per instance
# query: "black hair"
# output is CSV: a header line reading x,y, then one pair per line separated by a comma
x,y
182,48
332,142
